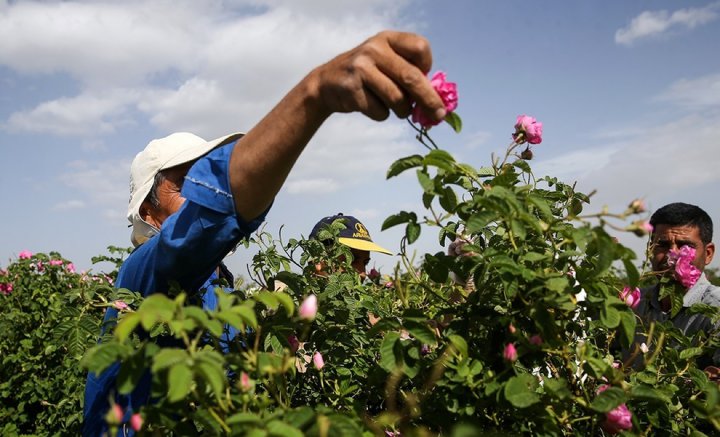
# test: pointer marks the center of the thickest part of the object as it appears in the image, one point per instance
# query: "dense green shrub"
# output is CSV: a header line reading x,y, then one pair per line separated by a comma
x,y
49,316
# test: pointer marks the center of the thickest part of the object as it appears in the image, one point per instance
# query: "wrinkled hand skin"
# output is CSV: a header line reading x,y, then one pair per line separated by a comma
x,y
387,72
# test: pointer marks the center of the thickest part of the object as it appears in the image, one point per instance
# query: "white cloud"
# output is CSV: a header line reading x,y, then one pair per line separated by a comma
x,y
311,186
69,205
100,183
350,149
84,114
700,93
121,53
655,23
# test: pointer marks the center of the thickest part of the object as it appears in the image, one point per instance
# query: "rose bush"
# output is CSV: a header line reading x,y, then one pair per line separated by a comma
x,y
512,332
49,316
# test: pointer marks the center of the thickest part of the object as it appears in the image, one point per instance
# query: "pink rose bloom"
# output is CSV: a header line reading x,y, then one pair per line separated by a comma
x,y
685,271
40,266
117,413
374,274
136,421
527,129
56,262
308,309
294,343
617,420
448,94
6,289
3,272
630,296
25,254
120,305
318,361
510,353
389,284
245,382
70,267
536,340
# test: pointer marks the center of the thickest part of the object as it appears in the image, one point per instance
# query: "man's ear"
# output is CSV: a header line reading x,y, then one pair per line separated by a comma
x,y
146,213
709,252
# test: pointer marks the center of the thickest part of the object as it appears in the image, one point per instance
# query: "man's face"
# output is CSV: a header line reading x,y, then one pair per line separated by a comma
x,y
168,196
667,238
361,258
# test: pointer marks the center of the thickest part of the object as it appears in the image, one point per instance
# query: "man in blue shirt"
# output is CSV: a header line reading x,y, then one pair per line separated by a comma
x,y
192,201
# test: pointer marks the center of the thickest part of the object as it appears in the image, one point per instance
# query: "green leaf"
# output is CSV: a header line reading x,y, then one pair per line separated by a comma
x,y
125,326
412,232
281,429
520,390
448,199
131,371
459,344
609,316
645,392
247,314
691,352
244,419
608,400
168,357
214,375
388,360
398,219
232,319
268,299
454,121
557,388
420,331
439,158
403,164
632,273
426,182
286,301
627,327
180,379
100,357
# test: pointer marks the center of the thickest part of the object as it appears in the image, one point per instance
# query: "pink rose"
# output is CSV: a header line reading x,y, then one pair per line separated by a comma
x,y
25,254
618,419
3,272
318,361
630,296
510,353
685,271
56,262
389,284
512,328
117,413
536,340
527,129
6,288
447,92
136,421
245,382
308,309
640,228
40,266
374,274
70,267
293,342
120,305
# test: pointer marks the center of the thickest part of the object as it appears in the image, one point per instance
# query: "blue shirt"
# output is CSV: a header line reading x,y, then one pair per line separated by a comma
x,y
187,251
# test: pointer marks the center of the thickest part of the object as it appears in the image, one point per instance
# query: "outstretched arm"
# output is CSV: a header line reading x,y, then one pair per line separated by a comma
x,y
385,73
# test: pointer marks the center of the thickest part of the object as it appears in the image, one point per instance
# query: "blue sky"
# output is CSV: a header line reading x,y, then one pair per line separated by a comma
x,y
629,94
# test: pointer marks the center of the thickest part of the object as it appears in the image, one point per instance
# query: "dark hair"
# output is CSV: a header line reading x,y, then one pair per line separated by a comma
x,y
152,196
683,214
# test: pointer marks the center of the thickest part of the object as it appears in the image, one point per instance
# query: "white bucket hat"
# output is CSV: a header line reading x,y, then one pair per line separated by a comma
x,y
161,154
